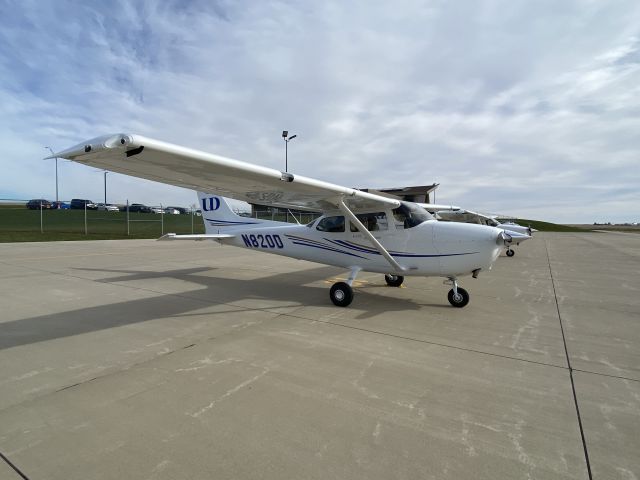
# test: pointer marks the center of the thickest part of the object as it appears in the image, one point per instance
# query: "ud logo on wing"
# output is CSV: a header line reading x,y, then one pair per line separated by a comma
x,y
210,204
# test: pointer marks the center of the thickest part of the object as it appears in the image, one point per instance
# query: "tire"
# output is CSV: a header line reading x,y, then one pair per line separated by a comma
x,y
461,301
341,294
394,280
510,253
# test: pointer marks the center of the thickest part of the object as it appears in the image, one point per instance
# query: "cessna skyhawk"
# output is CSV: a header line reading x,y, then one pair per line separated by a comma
x,y
358,231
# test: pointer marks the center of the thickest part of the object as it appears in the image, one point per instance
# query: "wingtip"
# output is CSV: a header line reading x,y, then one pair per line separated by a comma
x,y
114,140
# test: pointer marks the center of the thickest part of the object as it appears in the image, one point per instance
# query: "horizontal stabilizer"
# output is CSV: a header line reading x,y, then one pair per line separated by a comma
x,y
173,236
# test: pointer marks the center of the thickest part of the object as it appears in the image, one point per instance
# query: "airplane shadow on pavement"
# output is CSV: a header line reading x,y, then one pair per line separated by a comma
x,y
278,291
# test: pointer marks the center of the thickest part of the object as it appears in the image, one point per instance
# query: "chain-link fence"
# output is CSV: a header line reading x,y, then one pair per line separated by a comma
x,y
25,220
38,220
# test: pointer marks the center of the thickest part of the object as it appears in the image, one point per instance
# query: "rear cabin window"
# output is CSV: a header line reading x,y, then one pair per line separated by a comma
x,y
372,221
331,224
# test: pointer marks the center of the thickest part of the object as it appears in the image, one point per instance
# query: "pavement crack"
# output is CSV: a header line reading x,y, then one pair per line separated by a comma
x,y
566,351
13,466
229,393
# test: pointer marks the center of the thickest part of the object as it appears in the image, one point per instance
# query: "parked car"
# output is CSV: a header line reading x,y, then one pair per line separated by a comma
x,y
138,207
179,210
108,207
60,205
81,204
156,210
171,211
38,203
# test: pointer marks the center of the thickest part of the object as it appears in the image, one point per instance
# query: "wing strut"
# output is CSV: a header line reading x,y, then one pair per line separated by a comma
x,y
362,229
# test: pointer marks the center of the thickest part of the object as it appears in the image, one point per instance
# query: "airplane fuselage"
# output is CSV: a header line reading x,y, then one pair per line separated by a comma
x,y
432,248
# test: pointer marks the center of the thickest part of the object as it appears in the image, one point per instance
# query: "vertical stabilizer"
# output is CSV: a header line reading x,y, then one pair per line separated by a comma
x,y
219,217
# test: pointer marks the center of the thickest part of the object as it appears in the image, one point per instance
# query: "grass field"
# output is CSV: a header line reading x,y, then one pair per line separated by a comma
x,y
18,224
550,227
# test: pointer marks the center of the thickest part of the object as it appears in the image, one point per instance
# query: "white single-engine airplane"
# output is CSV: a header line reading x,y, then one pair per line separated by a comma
x,y
357,231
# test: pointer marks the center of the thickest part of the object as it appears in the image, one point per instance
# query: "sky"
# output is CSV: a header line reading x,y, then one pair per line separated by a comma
x,y
528,109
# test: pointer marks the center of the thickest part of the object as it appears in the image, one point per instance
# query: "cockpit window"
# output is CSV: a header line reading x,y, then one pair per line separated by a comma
x,y
331,224
409,215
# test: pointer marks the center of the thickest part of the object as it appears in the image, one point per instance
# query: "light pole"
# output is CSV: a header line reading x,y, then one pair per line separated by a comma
x,y
286,138
56,174
105,188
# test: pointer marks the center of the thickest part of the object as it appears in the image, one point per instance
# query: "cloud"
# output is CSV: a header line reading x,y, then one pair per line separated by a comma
x,y
526,108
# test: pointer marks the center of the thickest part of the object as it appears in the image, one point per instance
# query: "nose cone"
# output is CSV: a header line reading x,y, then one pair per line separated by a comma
x,y
465,247
515,238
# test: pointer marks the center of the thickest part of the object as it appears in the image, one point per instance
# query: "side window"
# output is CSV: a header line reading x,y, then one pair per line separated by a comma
x,y
331,224
372,221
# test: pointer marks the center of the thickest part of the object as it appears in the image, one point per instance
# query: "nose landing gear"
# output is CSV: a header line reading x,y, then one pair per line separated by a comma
x,y
510,252
457,296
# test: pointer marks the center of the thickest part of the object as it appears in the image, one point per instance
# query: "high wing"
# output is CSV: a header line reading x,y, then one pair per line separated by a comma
x,y
435,207
163,162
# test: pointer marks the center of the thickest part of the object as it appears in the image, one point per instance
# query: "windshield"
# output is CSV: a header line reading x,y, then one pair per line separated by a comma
x,y
410,215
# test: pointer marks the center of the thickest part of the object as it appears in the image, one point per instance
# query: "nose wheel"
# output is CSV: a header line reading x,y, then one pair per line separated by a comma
x,y
459,299
510,252
457,296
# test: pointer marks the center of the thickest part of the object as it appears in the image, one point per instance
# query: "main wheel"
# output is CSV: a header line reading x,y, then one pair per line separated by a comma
x,y
510,253
394,280
341,294
459,300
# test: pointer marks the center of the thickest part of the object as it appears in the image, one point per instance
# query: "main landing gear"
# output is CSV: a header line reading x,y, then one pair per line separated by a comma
x,y
510,252
457,296
341,293
394,280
